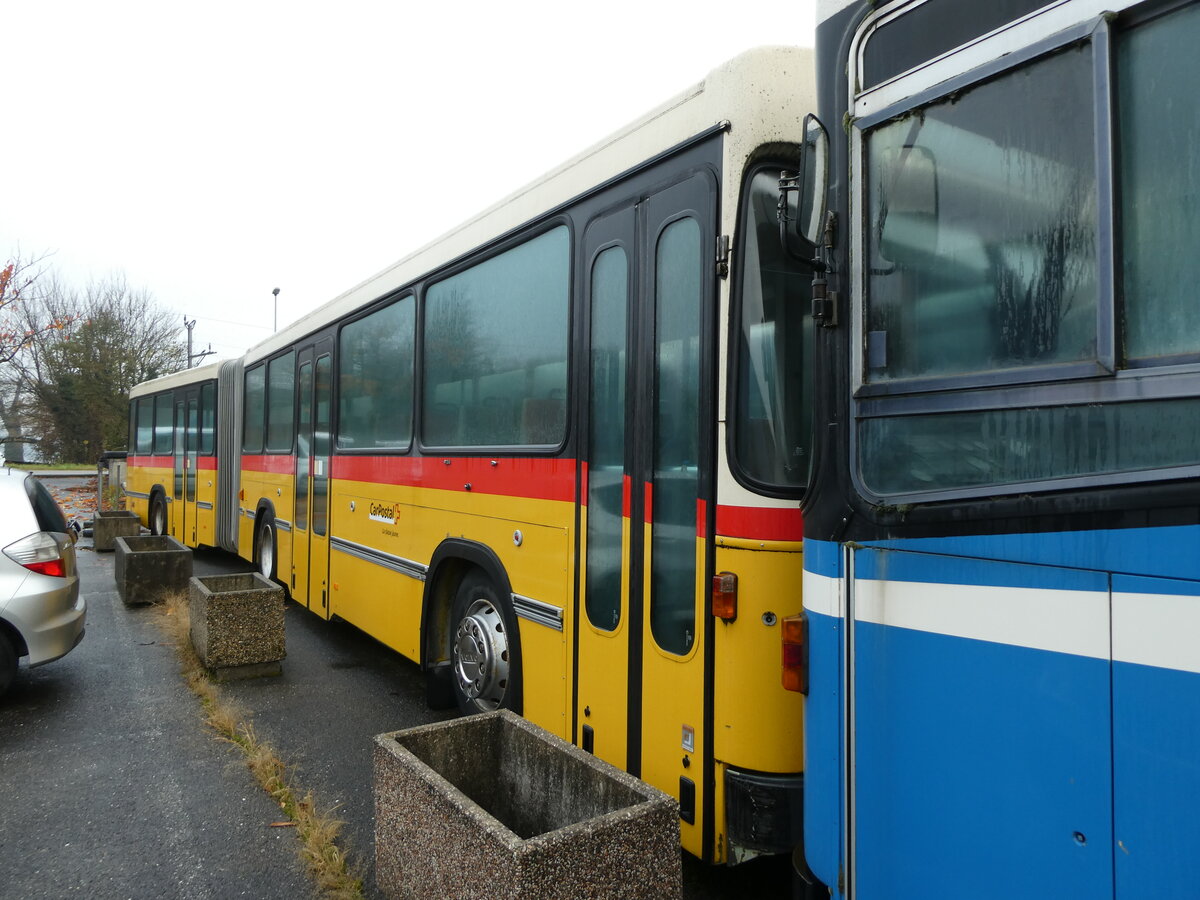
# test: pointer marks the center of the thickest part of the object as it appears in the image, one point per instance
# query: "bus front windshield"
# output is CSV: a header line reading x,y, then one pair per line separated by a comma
x,y
772,425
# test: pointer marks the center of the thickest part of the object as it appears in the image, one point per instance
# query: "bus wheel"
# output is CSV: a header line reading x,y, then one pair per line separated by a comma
x,y
487,670
266,547
158,515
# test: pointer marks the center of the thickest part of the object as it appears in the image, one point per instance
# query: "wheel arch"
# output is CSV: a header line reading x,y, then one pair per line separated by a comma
x,y
453,559
15,638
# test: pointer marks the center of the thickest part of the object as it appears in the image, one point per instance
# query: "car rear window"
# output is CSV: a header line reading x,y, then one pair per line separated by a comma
x,y
49,516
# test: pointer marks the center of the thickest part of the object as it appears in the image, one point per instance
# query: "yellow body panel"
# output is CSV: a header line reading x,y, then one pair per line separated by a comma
x,y
672,701
387,604
757,723
603,669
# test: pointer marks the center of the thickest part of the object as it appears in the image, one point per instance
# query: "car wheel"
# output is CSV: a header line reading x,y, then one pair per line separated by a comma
x,y
266,547
158,515
484,650
8,663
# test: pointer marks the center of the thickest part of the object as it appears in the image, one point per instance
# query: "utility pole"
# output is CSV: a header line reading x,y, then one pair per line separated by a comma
x,y
190,355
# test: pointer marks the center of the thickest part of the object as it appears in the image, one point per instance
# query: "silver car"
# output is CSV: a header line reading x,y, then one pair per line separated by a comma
x,y
41,612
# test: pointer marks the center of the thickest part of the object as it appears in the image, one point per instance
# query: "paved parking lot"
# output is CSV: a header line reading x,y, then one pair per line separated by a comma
x,y
114,788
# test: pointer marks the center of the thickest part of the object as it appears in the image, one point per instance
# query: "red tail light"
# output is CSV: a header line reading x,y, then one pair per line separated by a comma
x,y
795,653
41,553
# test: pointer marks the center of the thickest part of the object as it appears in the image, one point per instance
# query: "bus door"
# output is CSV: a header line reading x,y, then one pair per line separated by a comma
x,y
642,670
190,462
978,727
310,527
182,520
176,517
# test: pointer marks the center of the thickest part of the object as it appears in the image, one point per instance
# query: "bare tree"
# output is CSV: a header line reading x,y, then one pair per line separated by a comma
x,y
78,375
21,281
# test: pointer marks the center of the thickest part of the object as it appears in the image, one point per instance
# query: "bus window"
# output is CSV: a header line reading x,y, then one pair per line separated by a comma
x,y
163,424
255,406
773,425
490,378
281,401
606,438
1159,133
676,485
208,419
145,425
995,267
375,379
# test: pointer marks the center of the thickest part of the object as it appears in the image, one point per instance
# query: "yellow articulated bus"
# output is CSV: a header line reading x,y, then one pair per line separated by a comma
x,y
556,456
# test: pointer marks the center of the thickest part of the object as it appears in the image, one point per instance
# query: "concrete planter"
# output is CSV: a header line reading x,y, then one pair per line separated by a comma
x,y
108,525
491,806
149,567
237,624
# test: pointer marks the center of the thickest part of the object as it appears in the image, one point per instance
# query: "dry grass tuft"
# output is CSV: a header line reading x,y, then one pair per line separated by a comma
x,y
327,865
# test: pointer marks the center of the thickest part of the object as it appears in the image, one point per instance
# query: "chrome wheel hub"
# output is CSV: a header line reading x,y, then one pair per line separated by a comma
x,y
480,655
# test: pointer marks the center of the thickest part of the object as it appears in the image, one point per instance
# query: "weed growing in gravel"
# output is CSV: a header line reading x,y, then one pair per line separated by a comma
x,y
318,832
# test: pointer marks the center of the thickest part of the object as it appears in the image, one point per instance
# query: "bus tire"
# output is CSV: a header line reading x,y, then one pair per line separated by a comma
x,y
158,514
484,654
265,548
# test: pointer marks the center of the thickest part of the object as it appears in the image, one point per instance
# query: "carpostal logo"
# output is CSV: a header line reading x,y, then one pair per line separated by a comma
x,y
381,512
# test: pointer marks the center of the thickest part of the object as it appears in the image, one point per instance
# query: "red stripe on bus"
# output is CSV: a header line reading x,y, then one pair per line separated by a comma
x,y
760,523
270,463
537,478
206,463
648,509
627,497
701,518
150,462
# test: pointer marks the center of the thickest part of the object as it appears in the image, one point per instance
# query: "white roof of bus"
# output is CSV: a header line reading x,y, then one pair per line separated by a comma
x,y
177,379
757,92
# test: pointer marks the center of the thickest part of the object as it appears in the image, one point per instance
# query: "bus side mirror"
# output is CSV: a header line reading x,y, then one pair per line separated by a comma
x,y
907,227
802,195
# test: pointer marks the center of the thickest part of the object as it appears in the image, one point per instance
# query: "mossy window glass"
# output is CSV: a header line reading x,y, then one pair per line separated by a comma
x,y
1159,123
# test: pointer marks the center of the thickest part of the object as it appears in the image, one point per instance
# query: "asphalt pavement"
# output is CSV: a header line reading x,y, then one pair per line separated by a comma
x,y
113,787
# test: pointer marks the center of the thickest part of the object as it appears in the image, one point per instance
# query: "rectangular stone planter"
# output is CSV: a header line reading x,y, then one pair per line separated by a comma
x,y
491,806
108,525
149,567
237,624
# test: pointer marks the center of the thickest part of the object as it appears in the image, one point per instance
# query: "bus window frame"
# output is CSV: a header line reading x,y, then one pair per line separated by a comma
x,y
477,257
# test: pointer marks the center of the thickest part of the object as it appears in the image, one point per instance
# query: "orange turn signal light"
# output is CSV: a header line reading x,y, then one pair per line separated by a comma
x,y
795,653
724,596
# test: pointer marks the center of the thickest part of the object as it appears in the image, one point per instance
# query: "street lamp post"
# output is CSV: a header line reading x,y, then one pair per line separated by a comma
x,y
275,321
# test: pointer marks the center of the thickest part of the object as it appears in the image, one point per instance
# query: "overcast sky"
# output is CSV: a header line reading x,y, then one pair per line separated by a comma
x,y
210,152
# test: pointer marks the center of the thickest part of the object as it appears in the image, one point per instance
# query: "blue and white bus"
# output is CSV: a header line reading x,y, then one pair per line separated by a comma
x,y
1002,534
